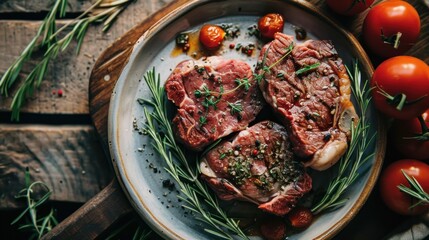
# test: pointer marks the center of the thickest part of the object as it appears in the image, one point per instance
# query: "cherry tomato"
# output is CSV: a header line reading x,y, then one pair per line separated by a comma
x,y
411,148
401,80
300,217
388,23
273,228
392,176
349,7
211,36
270,24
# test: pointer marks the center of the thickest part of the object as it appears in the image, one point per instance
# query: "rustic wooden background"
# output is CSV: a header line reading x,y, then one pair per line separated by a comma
x,y
56,138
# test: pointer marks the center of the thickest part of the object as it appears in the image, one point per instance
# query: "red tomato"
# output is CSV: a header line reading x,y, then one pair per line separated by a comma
x,y
300,217
389,21
392,176
270,24
349,7
273,228
401,75
211,36
411,148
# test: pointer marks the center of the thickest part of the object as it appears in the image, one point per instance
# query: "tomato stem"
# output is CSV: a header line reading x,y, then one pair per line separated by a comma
x,y
423,124
424,135
397,40
399,100
394,40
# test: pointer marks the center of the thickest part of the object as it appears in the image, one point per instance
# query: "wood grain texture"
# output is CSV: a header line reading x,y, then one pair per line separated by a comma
x,y
94,217
69,72
109,66
34,6
69,159
354,25
117,55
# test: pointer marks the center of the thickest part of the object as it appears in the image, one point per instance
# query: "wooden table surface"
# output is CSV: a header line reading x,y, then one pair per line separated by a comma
x,y
56,138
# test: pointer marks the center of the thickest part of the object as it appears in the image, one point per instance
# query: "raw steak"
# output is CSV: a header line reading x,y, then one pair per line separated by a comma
x,y
309,88
215,97
257,165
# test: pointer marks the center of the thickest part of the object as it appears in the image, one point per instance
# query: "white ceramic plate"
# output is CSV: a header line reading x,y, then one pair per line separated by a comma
x,y
142,172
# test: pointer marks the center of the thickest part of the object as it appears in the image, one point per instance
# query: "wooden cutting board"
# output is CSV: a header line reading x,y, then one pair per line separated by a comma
x,y
111,204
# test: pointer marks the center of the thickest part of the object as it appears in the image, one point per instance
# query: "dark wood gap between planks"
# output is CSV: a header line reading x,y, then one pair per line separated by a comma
x,y
52,119
34,16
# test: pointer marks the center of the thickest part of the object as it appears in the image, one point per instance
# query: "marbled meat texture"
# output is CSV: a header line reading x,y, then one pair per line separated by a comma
x,y
258,166
214,96
310,90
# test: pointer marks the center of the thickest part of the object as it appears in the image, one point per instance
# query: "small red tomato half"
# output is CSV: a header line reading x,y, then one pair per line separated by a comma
x,y
392,177
273,228
269,24
390,28
211,36
401,87
300,217
349,7
409,138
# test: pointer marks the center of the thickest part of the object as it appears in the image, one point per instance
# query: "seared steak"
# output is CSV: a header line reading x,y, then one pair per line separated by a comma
x,y
257,165
309,88
215,97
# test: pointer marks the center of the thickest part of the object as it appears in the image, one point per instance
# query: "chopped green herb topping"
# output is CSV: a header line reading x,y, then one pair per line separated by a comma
x,y
236,107
307,68
243,82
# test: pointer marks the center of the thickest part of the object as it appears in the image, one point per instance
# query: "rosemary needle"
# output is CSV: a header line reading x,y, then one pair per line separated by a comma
x,y
37,225
351,164
196,195
75,30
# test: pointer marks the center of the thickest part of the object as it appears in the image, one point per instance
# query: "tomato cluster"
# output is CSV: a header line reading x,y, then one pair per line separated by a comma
x,y
400,90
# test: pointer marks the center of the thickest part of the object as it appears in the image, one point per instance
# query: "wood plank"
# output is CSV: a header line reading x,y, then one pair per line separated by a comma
x,y
119,52
69,159
34,6
68,72
354,24
93,218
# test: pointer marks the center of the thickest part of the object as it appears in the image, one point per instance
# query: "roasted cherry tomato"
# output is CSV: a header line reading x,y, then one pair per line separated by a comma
x,y
392,177
300,217
270,24
404,130
401,87
211,36
349,7
391,28
273,228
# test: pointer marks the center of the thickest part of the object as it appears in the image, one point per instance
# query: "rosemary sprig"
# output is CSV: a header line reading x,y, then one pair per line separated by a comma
x,y
76,29
37,225
46,29
236,107
415,190
307,68
266,69
196,196
351,163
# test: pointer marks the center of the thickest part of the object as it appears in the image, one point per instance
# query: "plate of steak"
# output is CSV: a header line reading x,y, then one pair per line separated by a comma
x,y
208,117
308,87
215,97
258,166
